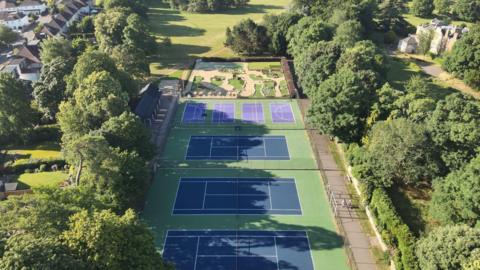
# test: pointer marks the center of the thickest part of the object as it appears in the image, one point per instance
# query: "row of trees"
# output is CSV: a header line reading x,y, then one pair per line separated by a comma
x,y
88,89
397,137
207,5
465,10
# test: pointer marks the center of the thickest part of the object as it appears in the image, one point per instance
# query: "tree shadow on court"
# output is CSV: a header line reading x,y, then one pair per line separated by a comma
x,y
320,236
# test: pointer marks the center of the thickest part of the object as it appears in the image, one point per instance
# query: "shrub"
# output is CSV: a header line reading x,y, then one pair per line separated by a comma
x,y
32,165
393,230
42,168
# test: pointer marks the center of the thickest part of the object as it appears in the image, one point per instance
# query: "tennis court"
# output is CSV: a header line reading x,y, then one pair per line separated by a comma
x,y
195,113
228,196
253,113
237,148
223,113
282,113
238,250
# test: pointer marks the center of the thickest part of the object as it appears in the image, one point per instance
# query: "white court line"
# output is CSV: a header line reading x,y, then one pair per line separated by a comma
x,y
196,254
270,196
204,194
276,252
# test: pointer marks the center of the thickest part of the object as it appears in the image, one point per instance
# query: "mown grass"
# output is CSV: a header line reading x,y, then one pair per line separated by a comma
x,y
194,35
237,83
41,179
264,65
46,150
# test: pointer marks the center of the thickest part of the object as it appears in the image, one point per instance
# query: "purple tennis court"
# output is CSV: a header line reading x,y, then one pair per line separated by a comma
x,y
195,113
223,113
253,113
282,113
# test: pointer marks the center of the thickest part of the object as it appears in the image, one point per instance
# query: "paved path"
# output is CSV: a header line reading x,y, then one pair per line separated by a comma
x,y
356,238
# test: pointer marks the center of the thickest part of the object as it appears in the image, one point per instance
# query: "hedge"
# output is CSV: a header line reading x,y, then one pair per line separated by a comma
x,y
394,231
32,165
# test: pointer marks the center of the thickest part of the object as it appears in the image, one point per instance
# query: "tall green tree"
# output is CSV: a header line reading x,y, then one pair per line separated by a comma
x,y
455,198
341,104
348,33
464,60
454,129
307,31
277,29
446,248
54,49
467,10
247,38
443,7
316,64
15,112
423,8
364,56
50,89
390,17
425,42
7,36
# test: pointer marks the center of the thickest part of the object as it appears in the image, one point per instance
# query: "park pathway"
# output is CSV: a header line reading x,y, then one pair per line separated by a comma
x,y
356,240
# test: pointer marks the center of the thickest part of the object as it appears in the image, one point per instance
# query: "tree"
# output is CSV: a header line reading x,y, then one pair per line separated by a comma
x,y
316,64
128,133
50,89
55,48
467,10
387,97
99,98
7,36
464,60
247,38
454,129
390,17
137,35
108,241
277,29
307,31
96,61
423,8
15,111
109,27
399,151
424,41
364,56
443,7
348,33
455,198
131,60
473,263
341,105
26,251
446,248
137,6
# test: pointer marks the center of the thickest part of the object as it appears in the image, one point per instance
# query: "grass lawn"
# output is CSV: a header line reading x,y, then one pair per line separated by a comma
x,y
255,77
316,218
401,70
264,65
218,80
237,83
47,150
283,88
42,179
268,88
258,91
414,20
194,34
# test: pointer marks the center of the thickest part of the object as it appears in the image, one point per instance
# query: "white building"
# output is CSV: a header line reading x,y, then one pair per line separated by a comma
x,y
14,21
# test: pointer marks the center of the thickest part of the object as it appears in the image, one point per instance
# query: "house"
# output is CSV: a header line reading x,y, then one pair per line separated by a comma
x,y
24,64
408,44
26,7
443,39
14,21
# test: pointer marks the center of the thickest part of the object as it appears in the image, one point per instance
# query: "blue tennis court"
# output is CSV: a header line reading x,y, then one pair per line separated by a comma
x,y
238,250
195,113
237,148
228,196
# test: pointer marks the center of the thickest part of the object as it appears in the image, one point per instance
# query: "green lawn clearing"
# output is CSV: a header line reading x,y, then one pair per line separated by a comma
x,y
41,179
283,88
264,65
258,91
47,150
237,83
218,81
194,34
268,88
255,77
